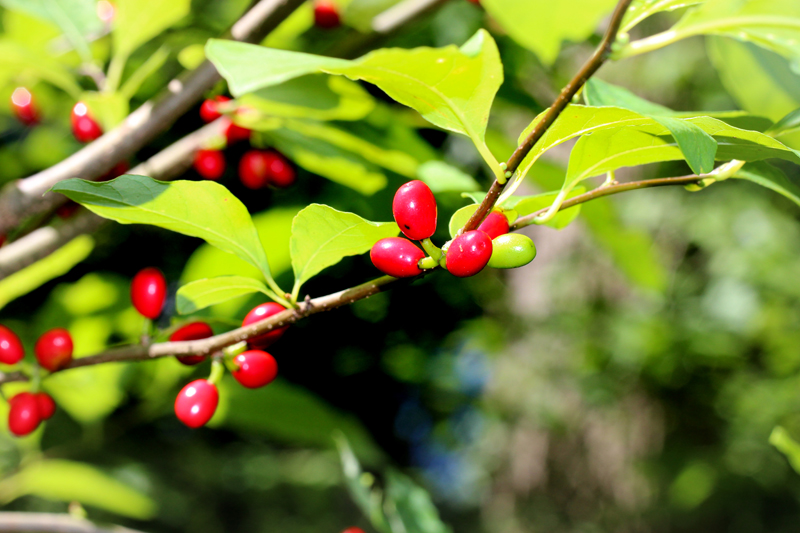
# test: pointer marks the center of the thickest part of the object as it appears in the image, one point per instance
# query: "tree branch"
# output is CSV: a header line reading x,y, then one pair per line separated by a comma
x,y
24,197
165,165
53,523
599,57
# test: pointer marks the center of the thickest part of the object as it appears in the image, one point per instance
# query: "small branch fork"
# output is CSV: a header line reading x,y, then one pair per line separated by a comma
x,y
562,101
211,345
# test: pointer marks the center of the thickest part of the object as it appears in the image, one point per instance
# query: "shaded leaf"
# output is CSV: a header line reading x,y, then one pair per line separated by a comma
x,y
770,177
413,505
785,444
205,292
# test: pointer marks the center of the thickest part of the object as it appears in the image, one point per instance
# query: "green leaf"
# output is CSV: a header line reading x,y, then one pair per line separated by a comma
x,y
359,13
698,147
206,292
770,24
76,18
316,97
201,209
441,177
542,25
138,21
642,9
451,87
20,61
749,72
614,148
368,498
527,205
68,481
785,444
57,264
100,385
770,177
323,236
413,505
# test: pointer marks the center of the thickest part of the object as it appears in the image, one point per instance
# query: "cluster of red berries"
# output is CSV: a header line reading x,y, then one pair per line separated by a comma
x,y
414,209
53,352
257,168
253,368
84,127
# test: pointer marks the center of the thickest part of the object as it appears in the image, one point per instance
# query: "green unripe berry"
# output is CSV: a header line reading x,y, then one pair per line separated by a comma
x,y
512,250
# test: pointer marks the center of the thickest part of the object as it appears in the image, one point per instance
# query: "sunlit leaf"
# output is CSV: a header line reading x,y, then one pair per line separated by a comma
x,y
138,21
206,292
785,444
323,236
641,9
541,25
68,481
110,109
441,177
451,87
16,60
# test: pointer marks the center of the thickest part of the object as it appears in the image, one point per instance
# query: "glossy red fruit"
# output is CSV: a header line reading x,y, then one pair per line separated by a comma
x,y
256,368
469,253
494,225
148,292
11,350
353,530
209,111
119,169
23,414
84,127
210,164
54,349
280,171
326,14
396,257
23,106
46,405
192,332
254,169
262,312
414,209
234,133
196,403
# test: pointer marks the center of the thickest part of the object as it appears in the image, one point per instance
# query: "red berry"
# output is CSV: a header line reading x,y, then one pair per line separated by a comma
x,y
353,530
263,312
396,257
196,403
256,369
469,253
11,350
192,332
84,126
280,172
23,106
254,169
23,414
326,14
67,210
234,133
54,349
494,225
119,169
148,292
210,164
414,209
209,111
46,405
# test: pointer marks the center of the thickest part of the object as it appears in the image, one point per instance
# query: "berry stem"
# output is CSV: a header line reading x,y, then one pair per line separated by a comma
x,y
217,371
234,349
427,263
431,249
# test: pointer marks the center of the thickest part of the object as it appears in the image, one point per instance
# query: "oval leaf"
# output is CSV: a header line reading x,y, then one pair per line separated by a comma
x,y
205,292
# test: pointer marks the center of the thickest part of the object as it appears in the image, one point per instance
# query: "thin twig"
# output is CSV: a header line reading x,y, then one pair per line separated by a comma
x,y
591,66
24,198
54,523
